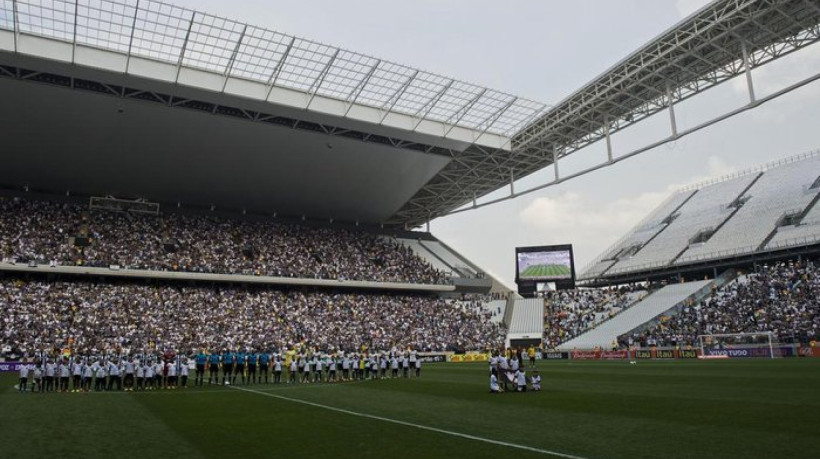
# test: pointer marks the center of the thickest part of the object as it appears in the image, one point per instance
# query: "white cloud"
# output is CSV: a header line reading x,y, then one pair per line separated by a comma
x,y
597,224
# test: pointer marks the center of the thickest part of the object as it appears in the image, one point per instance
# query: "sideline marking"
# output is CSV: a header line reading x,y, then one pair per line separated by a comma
x,y
409,424
192,390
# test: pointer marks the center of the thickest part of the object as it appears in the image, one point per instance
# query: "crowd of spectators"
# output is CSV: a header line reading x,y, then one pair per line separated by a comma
x,y
104,316
71,234
482,305
781,298
569,313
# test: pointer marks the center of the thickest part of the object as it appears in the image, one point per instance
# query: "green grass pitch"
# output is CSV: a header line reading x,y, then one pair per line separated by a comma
x,y
546,271
684,409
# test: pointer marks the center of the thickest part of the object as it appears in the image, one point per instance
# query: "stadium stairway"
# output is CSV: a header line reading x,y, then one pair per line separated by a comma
x,y
510,307
809,207
527,319
424,252
725,220
668,217
645,310
497,308
464,274
803,213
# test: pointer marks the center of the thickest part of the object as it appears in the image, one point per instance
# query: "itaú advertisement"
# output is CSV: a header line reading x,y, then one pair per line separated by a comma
x,y
470,357
644,354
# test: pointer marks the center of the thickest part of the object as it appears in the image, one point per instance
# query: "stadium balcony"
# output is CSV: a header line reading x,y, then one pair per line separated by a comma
x,y
757,216
777,191
70,238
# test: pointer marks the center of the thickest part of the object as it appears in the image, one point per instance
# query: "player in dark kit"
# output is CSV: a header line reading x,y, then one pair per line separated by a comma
x,y
264,366
213,368
253,359
227,366
200,360
239,366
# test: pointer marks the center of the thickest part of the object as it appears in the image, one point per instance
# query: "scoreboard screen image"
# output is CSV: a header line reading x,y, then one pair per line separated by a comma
x,y
550,263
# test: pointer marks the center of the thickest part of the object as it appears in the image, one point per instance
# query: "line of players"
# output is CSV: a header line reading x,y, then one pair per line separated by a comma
x,y
171,371
314,367
81,374
508,368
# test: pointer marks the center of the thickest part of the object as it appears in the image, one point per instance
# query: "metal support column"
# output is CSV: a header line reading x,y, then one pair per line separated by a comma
x,y
74,38
608,140
131,40
279,65
555,161
184,46
422,113
317,83
351,98
16,20
747,69
394,99
231,61
672,121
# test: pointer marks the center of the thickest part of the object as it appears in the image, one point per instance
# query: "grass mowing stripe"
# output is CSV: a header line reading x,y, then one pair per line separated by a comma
x,y
545,270
410,424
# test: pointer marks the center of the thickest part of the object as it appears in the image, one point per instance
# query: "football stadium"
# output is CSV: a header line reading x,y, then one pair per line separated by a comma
x,y
216,240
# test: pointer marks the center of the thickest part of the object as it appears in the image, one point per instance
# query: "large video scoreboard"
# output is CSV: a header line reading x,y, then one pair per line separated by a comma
x,y
535,267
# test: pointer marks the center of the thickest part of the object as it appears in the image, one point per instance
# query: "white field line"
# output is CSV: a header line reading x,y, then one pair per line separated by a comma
x,y
192,390
410,424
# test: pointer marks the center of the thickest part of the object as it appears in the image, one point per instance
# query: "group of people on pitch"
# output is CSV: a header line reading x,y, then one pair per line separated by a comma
x,y
304,367
169,371
103,373
506,370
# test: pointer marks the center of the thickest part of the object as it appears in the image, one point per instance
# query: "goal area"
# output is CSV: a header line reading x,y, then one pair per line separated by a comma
x,y
739,345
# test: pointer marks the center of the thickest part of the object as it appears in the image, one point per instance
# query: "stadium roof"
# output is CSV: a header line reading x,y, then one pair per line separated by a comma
x,y
333,133
407,145
288,67
715,44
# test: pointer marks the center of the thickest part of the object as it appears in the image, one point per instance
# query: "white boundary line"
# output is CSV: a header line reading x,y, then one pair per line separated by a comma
x,y
193,390
410,424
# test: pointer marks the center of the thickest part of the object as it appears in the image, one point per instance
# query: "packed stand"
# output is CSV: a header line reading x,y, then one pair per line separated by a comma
x,y
97,317
782,299
482,305
43,231
569,313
